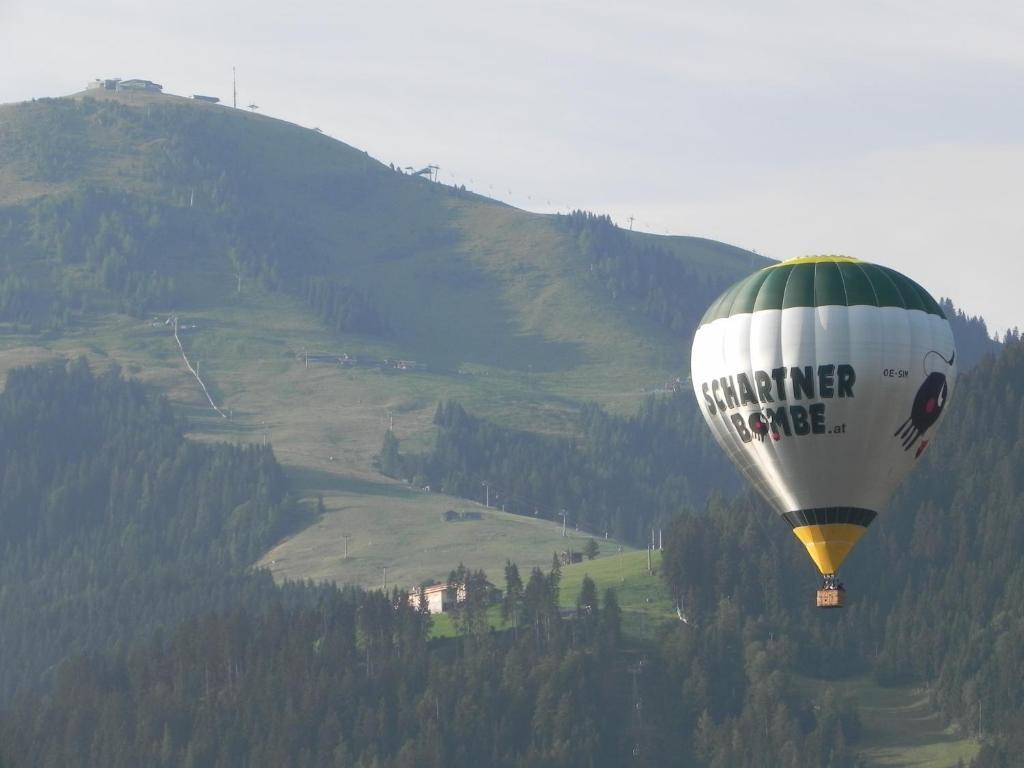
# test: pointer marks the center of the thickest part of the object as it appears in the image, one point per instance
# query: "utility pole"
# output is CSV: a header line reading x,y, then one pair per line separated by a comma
x,y
563,523
487,493
630,223
385,579
650,568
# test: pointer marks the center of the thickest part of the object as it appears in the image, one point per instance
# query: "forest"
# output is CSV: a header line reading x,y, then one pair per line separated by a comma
x,y
114,524
341,307
108,246
135,632
138,634
621,475
665,289
937,575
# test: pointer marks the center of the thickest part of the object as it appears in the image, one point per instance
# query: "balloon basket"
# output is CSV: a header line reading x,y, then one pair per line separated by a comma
x,y
830,598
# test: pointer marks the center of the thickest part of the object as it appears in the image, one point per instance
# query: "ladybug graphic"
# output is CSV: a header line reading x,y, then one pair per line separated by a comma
x,y
762,425
928,404
758,426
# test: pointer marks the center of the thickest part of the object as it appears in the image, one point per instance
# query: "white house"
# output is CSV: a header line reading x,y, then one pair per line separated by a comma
x,y
439,598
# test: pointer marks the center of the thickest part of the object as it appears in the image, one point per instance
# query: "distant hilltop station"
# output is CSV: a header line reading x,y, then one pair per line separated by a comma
x,y
117,84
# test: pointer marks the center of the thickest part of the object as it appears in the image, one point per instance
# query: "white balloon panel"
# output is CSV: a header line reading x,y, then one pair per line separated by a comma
x,y
849,453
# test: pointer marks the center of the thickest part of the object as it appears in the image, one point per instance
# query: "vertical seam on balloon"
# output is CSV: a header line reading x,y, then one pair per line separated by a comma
x,y
892,282
842,282
927,301
876,416
750,345
730,297
903,286
752,280
871,285
785,287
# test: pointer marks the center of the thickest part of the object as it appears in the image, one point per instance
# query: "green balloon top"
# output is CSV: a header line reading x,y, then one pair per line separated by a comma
x,y
819,281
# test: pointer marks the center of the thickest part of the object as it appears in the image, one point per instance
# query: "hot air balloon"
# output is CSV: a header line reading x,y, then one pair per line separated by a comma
x,y
824,379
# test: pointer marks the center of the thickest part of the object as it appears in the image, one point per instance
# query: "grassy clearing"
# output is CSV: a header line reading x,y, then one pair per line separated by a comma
x,y
392,526
646,604
443,625
901,727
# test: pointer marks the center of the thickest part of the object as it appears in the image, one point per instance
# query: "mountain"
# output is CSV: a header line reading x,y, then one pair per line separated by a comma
x,y
302,271
299,301
325,297
146,203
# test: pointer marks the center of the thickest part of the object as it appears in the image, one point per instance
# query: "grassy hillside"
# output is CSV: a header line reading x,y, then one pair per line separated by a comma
x,y
403,530
900,726
646,604
119,210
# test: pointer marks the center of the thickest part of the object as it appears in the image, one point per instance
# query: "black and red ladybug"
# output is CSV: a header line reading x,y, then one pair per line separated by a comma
x,y
928,404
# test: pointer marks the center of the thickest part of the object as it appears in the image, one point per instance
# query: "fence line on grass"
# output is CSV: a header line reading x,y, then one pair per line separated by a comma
x,y
193,371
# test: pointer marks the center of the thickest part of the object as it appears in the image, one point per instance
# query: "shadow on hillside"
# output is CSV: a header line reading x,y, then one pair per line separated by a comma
x,y
313,481
494,342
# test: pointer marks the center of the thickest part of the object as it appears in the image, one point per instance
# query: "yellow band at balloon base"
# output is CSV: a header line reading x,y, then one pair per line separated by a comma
x,y
829,544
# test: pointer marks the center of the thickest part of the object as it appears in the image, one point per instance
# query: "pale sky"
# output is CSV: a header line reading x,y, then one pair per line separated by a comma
x,y
890,131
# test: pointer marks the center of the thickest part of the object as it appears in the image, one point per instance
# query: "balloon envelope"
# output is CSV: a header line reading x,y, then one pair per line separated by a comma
x,y
824,379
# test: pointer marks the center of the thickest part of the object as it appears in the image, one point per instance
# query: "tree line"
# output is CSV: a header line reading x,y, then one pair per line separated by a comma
x,y
621,476
933,586
194,203
113,524
663,287
135,631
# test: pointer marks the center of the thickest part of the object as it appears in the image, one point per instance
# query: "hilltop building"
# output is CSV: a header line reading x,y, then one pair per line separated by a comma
x,y
103,84
117,84
139,85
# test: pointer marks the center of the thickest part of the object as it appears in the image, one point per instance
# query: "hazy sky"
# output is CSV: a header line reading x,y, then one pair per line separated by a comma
x,y
890,131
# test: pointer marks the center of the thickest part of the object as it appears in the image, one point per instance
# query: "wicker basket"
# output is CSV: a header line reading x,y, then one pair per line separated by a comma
x,y
830,598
